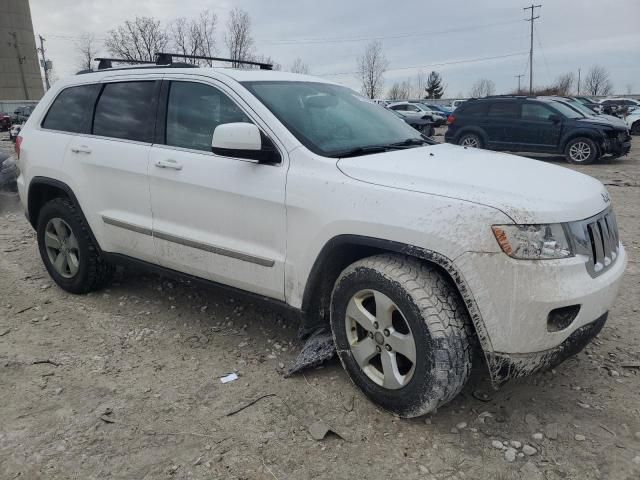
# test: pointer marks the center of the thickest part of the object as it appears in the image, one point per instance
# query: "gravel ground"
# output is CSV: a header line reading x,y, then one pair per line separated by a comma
x,y
125,383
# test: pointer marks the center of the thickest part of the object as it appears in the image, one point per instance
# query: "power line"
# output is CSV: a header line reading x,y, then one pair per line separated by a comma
x,y
532,8
470,60
380,37
544,57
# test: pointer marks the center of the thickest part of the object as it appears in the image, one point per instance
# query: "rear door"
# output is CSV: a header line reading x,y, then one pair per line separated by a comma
x,y
110,167
218,217
536,130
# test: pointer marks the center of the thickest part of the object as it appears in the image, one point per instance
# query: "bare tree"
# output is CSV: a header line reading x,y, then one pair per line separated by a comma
x,y
564,84
238,37
264,59
597,81
298,66
420,86
195,36
138,39
482,88
86,49
371,68
399,91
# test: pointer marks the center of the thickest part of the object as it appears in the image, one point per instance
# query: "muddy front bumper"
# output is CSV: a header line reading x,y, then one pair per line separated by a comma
x,y
505,367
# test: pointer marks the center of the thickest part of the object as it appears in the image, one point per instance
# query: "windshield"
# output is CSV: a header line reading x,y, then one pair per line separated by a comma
x,y
332,120
587,112
567,111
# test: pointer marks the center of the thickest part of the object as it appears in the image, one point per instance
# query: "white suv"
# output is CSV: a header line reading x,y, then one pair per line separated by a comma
x,y
304,192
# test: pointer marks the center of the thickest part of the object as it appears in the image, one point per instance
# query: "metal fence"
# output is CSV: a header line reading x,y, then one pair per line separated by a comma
x,y
9,106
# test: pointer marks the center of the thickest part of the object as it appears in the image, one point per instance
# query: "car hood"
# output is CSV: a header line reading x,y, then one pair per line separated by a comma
x,y
528,191
598,122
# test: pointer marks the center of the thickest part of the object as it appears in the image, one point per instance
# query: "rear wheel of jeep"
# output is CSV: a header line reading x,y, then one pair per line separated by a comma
x,y
581,150
67,249
401,332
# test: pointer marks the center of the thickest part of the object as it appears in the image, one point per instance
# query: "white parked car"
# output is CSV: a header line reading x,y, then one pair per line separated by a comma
x,y
633,122
14,131
456,103
420,110
300,191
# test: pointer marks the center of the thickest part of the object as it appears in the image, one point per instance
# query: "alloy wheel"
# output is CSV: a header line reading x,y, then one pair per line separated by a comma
x,y
470,141
380,339
580,151
62,247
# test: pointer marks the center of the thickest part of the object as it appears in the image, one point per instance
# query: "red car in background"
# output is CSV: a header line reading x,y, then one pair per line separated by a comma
x,y
5,122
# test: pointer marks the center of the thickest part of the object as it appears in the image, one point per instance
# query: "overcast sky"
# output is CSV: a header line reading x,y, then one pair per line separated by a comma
x,y
329,35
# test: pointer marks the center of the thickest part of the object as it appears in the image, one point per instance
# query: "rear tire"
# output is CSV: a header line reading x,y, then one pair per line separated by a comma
x,y
472,140
581,151
67,249
401,333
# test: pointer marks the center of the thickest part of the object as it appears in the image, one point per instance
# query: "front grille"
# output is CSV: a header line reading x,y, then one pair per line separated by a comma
x,y
597,238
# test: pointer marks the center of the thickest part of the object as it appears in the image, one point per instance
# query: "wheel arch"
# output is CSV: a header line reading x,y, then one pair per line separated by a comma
x,y
473,129
43,189
590,134
343,250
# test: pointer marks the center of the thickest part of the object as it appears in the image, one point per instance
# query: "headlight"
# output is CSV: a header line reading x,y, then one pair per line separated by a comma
x,y
533,242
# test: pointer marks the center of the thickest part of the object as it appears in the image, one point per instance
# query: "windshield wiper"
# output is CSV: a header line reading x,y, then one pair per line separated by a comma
x,y
356,152
408,143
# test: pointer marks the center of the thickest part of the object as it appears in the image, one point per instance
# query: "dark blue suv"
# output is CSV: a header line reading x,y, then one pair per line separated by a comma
x,y
531,124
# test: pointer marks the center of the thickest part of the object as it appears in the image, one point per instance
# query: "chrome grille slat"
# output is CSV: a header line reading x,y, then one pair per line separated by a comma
x,y
598,239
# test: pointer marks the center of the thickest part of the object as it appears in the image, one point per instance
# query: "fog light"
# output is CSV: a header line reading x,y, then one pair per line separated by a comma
x,y
560,318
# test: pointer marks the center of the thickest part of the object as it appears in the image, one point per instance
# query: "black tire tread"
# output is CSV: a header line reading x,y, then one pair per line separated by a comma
x,y
443,312
99,273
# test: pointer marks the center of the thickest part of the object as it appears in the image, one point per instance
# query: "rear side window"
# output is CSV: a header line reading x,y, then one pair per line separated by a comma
x,y
126,110
194,111
473,109
504,110
72,109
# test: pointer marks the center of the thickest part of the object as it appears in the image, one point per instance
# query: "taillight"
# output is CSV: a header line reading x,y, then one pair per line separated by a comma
x,y
18,143
451,119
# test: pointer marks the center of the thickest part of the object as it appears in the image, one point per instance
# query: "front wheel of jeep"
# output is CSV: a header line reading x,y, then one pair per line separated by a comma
x,y
401,333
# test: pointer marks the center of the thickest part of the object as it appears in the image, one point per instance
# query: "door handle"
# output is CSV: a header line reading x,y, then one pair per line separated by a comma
x,y
172,164
81,149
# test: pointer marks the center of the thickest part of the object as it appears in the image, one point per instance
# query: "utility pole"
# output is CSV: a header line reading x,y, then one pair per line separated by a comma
x,y
44,62
532,8
519,77
21,60
578,81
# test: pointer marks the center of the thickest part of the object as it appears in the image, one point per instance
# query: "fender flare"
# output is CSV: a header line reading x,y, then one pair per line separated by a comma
x,y
52,182
445,263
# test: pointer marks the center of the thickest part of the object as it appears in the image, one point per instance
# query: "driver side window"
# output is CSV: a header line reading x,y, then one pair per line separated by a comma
x,y
194,110
534,111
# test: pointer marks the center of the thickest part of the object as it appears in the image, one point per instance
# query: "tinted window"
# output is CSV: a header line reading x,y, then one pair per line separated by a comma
x,y
473,109
194,111
125,110
72,109
399,107
504,109
535,111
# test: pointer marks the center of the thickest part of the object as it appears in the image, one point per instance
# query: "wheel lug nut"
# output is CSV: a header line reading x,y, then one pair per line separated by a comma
x,y
386,332
375,325
378,349
370,334
387,347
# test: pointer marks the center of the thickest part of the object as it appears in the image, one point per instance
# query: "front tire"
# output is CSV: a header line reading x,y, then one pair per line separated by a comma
x,y
401,333
581,150
67,249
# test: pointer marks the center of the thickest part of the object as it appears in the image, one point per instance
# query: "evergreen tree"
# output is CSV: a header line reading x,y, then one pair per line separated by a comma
x,y
434,87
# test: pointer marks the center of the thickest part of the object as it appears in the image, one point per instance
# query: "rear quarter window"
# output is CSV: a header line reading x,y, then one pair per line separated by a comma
x,y
72,109
504,110
472,110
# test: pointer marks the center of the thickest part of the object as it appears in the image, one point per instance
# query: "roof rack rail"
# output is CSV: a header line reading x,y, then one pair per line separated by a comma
x,y
104,63
163,58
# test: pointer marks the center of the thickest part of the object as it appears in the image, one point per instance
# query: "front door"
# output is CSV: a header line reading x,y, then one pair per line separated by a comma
x,y
216,217
537,130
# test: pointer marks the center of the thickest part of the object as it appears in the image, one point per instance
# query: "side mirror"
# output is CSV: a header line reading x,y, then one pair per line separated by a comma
x,y
555,118
243,140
